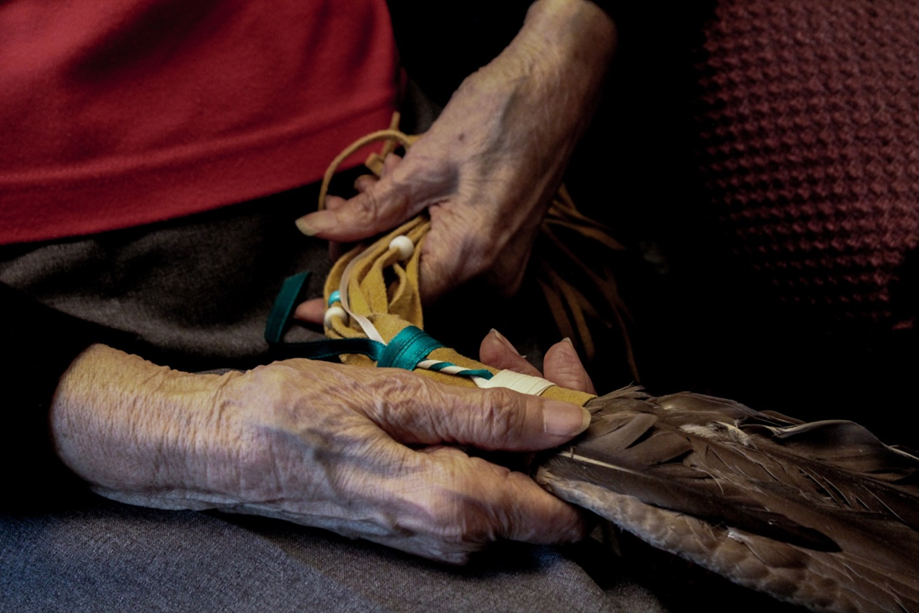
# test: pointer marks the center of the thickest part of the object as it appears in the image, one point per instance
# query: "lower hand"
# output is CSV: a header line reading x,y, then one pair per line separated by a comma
x,y
362,452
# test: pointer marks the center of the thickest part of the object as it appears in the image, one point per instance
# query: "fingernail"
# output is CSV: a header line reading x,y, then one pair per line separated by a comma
x,y
564,418
317,222
571,349
506,342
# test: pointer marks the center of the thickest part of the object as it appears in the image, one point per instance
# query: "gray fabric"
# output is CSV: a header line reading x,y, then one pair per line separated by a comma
x,y
110,557
198,292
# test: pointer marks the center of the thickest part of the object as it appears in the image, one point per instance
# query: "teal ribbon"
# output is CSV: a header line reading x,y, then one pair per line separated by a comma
x,y
405,350
483,373
288,298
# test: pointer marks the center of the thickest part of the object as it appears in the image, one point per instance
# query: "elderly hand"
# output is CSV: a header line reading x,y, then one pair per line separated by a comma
x,y
363,452
490,165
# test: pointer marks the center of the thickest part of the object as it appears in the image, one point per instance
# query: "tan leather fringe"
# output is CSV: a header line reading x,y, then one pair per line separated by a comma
x,y
385,290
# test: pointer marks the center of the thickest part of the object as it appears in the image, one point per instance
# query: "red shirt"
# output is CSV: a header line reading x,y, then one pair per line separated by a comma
x,y
115,113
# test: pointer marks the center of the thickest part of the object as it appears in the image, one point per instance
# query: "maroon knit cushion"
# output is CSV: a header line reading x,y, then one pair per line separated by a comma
x,y
810,121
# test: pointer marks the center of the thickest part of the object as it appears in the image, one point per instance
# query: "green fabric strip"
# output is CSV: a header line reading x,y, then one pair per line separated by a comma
x,y
284,304
407,348
482,373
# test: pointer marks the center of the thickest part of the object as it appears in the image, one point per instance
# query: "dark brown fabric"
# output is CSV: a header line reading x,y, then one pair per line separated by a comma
x,y
809,123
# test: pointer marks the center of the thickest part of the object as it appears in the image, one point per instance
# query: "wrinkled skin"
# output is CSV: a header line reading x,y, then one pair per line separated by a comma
x,y
488,168
364,452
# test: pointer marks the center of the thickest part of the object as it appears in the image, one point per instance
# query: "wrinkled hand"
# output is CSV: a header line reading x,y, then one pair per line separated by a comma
x,y
363,452
490,165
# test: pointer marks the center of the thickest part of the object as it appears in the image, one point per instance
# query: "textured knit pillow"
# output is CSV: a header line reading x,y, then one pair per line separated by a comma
x,y
810,148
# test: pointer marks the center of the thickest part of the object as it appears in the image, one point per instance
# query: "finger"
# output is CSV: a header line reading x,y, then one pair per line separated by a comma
x,y
517,509
334,202
336,250
473,502
450,505
382,206
364,182
563,367
417,410
459,248
498,352
444,260
311,311
390,163
434,280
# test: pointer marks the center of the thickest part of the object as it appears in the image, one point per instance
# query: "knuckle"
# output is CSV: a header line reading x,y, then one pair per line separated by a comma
x,y
479,254
399,388
449,521
407,402
365,209
501,413
456,520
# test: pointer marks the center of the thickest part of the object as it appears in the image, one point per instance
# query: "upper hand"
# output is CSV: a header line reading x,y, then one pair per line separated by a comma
x,y
490,165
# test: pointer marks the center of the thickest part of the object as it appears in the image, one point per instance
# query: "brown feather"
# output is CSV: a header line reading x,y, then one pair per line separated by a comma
x,y
820,514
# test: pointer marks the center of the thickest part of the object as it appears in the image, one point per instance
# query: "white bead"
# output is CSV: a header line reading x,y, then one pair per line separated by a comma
x,y
404,246
335,311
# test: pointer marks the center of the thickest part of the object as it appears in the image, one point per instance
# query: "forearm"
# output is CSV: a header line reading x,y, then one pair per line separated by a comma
x,y
422,28
568,45
539,95
576,34
129,427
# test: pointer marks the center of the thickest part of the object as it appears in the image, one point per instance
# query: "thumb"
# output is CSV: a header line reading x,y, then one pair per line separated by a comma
x,y
430,413
380,207
311,311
